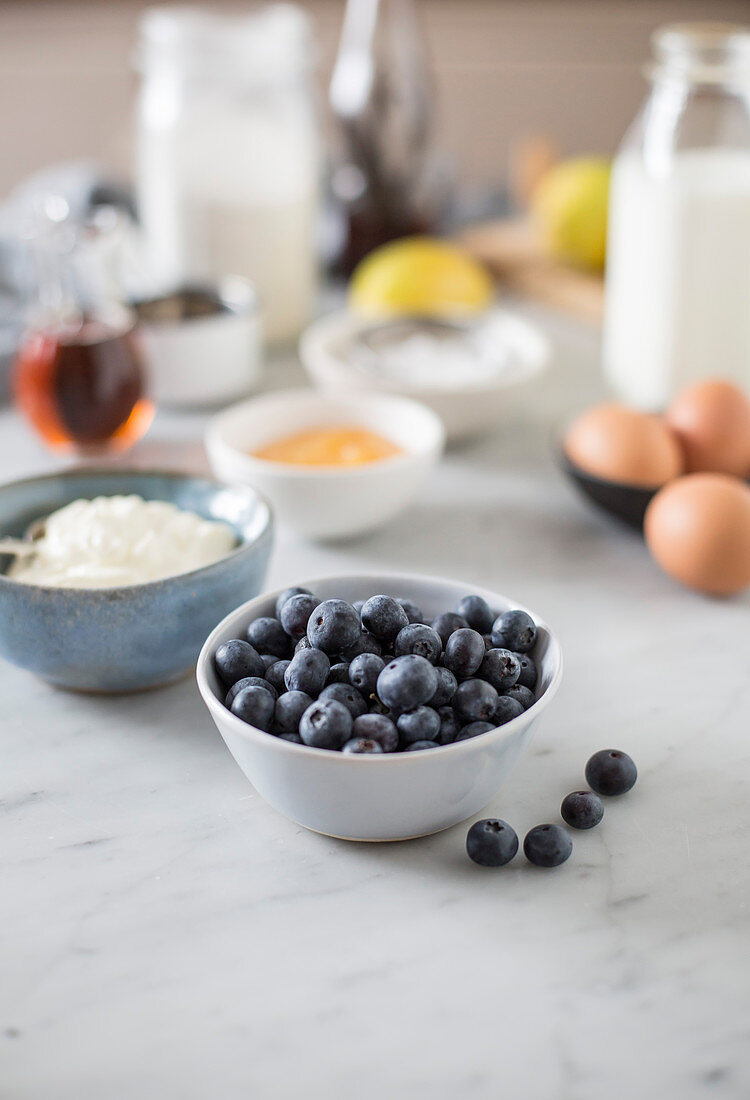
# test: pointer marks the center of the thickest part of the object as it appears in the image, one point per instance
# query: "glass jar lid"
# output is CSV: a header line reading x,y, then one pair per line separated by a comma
x,y
703,53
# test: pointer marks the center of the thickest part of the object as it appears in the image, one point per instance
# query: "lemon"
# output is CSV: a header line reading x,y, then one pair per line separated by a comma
x,y
569,209
419,275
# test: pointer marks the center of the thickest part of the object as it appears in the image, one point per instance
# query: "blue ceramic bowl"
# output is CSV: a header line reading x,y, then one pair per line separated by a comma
x,y
139,636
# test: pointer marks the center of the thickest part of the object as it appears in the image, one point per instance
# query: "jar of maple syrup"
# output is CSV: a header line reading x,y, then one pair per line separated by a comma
x,y
79,374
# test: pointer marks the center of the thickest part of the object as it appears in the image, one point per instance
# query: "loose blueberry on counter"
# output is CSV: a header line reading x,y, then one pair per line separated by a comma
x,y
491,843
464,652
582,809
376,727
413,612
446,688
547,845
473,729
418,746
363,745
383,617
268,659
611,772
333,625
275,675
338,674
255,706
407,682
363,672
446,623
246,682
307,671
326,725
287,595
295,614
448,726
514,630
475,701
267,635
365,643
348,696
289,710
236,659
477,613
521,695
420,724
501,668
529,674
420,639
506,710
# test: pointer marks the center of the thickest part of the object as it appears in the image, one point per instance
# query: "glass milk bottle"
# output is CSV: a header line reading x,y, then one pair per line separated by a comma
x,y
678,258
228,154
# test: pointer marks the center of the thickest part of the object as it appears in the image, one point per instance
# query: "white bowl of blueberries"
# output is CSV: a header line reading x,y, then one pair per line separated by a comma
x,y
378,707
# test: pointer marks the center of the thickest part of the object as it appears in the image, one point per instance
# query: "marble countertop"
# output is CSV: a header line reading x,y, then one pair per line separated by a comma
x,y
166,934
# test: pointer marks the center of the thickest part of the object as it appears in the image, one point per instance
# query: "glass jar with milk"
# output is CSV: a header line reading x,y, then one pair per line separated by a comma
x,y
228,154
678,256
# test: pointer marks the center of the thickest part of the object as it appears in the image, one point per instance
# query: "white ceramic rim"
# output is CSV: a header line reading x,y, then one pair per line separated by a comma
x,y
314,344
215,441
384,760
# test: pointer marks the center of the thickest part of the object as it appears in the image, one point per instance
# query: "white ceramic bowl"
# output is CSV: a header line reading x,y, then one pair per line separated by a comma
x,y
327,502
465,410
394,796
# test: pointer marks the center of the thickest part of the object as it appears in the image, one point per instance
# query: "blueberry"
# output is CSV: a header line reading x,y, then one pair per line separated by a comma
x,y
348,696
464,652
303,643
333,625
421,724
487,641
407,682
611,772
364,671
267,635
376,727
475,701
420,639
547,845
268,659
293,737
413,612
289,710
287,595
448,726
326,725
514,630
295,614
474,729
275,675
582,809
417,746
506,709
365,643
445,689
358,605
477,613
521,694
255,706
384,617
529,674
491,843
246,682
362,745
236,659
446,623
307,671
500,668
338,674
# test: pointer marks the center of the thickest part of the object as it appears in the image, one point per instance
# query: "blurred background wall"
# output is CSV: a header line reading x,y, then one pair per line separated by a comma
x,y
503,69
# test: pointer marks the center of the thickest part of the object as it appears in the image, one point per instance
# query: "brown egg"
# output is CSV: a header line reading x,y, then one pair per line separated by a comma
x,y
698,529
621,444
712,422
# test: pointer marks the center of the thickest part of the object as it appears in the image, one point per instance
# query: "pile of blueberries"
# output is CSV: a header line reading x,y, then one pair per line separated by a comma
x,y
374,676
493,843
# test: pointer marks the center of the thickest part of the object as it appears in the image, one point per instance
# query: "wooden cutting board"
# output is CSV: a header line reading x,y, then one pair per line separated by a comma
x,y
510,251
